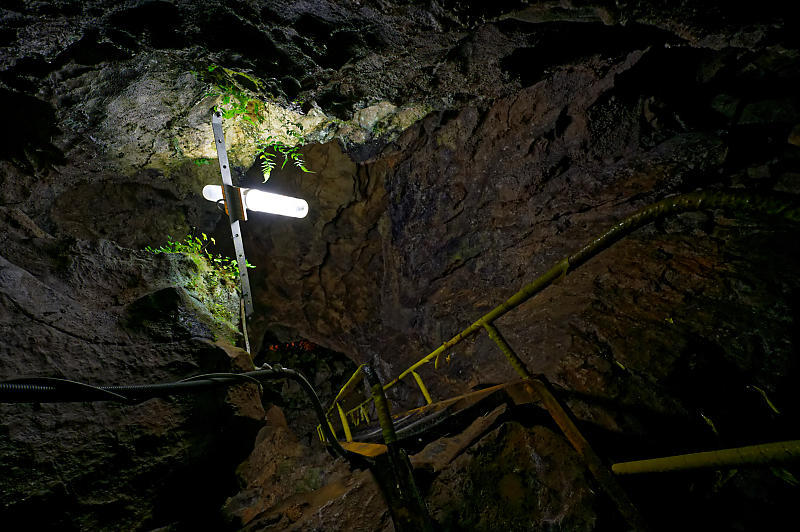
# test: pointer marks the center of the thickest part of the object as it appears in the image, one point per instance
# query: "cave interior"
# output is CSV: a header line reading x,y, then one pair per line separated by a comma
x,y
450,153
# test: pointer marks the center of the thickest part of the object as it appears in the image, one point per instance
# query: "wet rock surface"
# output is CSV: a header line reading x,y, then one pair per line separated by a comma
x,y
548,122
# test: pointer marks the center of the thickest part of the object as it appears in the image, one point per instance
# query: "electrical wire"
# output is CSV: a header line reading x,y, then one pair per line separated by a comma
x,y
235,376
60,384
48,389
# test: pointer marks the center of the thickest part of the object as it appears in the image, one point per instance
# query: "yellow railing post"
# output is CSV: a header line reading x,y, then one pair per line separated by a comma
x,y
511,356
593,462
422,387
405,502
345,425
330,425
558,412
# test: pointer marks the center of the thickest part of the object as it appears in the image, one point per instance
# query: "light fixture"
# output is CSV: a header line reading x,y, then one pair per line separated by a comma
x,y
259,200
237,201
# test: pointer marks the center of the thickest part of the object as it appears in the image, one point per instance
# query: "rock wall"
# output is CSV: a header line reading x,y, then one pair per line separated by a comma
x,y
690,320
97,313
549,122
406,248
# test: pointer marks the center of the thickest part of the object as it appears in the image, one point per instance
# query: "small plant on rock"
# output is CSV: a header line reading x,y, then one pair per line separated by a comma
x,y
224,267
238,101
214,283
271,146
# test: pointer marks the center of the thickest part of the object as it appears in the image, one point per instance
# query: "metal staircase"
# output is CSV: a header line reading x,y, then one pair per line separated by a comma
x,y
379,430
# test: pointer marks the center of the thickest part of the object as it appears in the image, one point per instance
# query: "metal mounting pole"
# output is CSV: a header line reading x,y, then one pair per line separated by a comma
x,y
235,214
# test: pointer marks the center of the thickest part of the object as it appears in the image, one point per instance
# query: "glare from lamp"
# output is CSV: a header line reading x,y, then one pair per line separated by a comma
x,y
258,200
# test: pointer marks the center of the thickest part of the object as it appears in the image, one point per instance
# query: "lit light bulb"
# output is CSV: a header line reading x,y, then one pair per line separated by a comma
x,y
258,200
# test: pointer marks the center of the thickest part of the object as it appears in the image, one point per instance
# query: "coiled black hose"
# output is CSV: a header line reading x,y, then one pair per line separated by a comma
x,y
50,390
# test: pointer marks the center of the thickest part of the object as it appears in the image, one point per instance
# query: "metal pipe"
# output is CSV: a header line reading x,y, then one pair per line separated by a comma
x,y
767,453
511,356
351,383
381,405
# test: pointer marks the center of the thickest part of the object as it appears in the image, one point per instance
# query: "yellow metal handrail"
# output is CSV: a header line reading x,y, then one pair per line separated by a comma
x,y
348,387
765,453
732,201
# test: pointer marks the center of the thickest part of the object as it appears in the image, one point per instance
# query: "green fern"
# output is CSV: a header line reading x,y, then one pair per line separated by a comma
x,y
237,102
272,145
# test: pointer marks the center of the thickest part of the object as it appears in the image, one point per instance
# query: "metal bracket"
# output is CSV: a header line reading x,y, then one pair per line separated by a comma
x,y
235,212
233,199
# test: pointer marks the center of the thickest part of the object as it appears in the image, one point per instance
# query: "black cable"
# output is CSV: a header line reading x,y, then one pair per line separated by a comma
x,y
235,376
276,372
69,385
46,389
